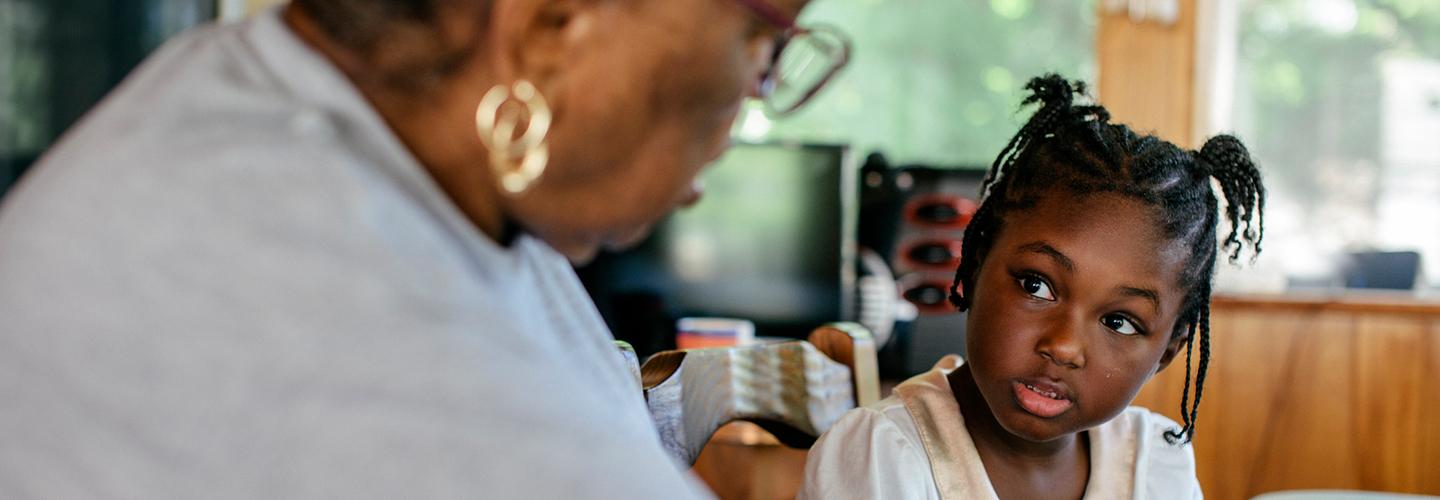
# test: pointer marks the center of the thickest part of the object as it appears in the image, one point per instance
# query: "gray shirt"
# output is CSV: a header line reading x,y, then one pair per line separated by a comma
x,y
231,280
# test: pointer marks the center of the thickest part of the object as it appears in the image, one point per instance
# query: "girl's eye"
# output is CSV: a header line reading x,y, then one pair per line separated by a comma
x,y
1036,287
1120,324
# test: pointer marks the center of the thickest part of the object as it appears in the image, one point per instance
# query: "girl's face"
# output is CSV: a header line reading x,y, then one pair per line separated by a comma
x,y
1072,312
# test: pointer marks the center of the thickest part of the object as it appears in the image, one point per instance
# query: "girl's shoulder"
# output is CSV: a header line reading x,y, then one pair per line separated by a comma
x,y
872,452
1162,469
1142,422
914,403
887,416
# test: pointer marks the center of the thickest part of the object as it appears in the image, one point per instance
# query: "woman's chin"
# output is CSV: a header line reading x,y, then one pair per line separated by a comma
x,y
627,239
580,256
578,251
582,251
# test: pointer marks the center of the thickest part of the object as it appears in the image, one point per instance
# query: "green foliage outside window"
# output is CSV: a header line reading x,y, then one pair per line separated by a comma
x,y
935,81
1317,82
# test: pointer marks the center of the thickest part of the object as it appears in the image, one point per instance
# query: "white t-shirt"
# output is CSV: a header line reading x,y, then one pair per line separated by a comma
x,y
914,445
231,280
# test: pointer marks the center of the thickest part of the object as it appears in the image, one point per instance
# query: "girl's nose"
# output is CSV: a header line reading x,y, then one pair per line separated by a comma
x,y
1062,345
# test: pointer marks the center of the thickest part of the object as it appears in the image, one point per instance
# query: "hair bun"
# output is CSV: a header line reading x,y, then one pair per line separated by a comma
x,y
1056,96
1053,90
1222,152
1226,159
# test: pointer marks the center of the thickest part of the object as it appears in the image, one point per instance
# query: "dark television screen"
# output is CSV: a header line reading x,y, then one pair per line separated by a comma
x,y
772,241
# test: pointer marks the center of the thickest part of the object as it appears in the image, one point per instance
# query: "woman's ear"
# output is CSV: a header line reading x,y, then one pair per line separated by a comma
x,y
536,39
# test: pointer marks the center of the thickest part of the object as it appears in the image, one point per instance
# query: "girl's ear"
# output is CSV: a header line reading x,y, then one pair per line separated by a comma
x,y
1172,349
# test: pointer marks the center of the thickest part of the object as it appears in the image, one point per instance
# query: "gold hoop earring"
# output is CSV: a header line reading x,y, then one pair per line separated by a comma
x,y
517,161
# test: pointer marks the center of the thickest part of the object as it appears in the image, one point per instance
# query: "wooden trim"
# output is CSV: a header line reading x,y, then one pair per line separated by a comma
x,y
1352,302
660,368
852,345
1313,394
1147,73
1217,41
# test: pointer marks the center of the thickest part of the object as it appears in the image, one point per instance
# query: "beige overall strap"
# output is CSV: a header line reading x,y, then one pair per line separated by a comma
x,y
959,475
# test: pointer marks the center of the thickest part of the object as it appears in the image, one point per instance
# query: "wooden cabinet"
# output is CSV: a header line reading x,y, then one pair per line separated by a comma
x,y
1315,393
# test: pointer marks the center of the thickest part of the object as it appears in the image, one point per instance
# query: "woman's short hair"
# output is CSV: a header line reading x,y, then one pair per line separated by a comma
x,y
407,27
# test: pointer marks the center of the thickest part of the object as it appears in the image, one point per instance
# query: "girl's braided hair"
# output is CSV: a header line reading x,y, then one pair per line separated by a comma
x,y
1076,147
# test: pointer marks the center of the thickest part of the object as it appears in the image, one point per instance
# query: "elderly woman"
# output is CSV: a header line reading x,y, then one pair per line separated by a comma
x,y
322,253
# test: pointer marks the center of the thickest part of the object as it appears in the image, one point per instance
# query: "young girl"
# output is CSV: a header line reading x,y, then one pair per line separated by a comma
x,y
1086,268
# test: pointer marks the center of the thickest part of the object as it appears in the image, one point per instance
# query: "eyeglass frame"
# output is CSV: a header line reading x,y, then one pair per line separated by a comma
x,y
790,29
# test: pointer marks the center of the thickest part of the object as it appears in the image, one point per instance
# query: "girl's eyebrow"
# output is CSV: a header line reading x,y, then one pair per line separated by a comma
x,y
1144,293
1045,249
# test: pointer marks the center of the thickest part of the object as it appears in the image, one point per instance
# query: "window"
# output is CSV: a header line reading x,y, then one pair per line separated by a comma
x,y
57,59
935,81
23,124
1339,101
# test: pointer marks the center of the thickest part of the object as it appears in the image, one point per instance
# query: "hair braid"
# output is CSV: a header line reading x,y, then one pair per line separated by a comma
x,y
1187,425
1190,412
1055,95
1204,330
1239,179
983,224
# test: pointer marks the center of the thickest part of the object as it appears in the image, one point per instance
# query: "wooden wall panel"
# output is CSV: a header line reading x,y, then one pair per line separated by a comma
x,y
1305,395
1430,412
1391,382
1147,73
1311,406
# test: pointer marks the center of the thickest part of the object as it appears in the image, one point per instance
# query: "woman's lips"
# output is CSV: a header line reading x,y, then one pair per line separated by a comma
x,y
1042,399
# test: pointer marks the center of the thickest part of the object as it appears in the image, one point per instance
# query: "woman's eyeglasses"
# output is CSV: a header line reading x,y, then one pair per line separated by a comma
x,y
806,58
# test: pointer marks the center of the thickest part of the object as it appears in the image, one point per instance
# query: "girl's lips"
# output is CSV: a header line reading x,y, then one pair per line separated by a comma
x,y
1042,399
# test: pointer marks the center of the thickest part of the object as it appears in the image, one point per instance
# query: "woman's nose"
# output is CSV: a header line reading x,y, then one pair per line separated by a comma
x,y
762,61
1062,344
